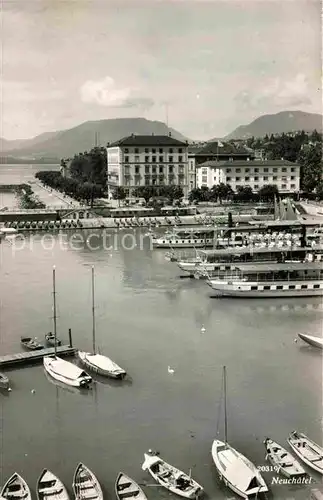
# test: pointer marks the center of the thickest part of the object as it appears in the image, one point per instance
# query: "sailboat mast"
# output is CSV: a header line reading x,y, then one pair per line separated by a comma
x,y
225,404
93,311
54,311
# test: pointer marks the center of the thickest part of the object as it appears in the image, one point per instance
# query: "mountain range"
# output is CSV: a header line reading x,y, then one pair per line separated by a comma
x,y
66,143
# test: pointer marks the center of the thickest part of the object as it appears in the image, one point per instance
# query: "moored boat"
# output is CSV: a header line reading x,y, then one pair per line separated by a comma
x,y
50,486
16,488
311,340
4,381
50,340
31,344
170,477
66,372
236,470
85,484
127,488
284,461
308,451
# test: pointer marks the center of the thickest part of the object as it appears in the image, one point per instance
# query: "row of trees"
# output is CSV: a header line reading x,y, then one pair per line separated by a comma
x,y
301,147
27,199
221,192
80,191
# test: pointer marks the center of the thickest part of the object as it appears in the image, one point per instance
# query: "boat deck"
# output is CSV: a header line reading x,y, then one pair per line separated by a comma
x,y
25,358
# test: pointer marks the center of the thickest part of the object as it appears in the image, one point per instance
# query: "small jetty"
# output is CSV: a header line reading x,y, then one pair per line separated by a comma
x,y
27,358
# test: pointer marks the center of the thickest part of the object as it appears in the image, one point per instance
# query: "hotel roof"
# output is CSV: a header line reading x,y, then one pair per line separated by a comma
x,y
247,163
148,140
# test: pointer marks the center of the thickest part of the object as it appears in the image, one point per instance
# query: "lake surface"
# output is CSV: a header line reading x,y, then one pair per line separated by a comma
x,y
147,319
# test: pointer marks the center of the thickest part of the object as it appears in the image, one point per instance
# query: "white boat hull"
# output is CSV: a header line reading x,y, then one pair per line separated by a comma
x,y
311,454
284,461
266,289
14,481
105,366
86,484
50,486
222,452
311,340
60,370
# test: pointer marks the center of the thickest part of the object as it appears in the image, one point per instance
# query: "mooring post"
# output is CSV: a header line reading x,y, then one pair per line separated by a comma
x,y
70,337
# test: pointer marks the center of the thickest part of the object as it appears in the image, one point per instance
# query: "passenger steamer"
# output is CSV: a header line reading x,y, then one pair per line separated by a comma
x,y
294,279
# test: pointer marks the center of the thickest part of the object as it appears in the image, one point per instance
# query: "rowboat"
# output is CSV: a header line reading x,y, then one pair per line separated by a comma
x,y
308,451
31,344
85,484
4,381
16,488
171,478
50,340
49,486
310,339
284,461
126,487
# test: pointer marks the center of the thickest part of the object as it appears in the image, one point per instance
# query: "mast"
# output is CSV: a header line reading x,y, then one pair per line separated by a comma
x,y
93,311
225,405
54,311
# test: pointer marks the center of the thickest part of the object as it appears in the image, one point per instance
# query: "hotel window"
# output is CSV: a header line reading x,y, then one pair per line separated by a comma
x,y
153,170
137,159
275,169
228,170
126,150
171,169
284,186
170,159
160,150
171,150
247,178
180,158
292,186
247,169
147,181
153,160
161,169
161,159
153,150
204,170
284,178
292,169
237,179
284,169
137,169
180,150
137,181
256,186
147,159
181,169
146,150
147,169
265,178
275,178
266,169
228,179
136,151
256,178
127,169
126,159
292,177
238,170
204,178
256,170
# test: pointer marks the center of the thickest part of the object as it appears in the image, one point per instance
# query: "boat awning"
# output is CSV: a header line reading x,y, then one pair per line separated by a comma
x,y
149,461
279,266
237,471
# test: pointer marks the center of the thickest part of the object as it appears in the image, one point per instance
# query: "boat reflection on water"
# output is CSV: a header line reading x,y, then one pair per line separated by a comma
x,y
67,388
111,382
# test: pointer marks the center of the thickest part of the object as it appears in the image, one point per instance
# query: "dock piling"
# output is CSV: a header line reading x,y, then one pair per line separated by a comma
x,y
70,337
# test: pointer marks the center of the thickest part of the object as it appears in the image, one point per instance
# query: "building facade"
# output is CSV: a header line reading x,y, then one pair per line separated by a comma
x,y
254,173
141,160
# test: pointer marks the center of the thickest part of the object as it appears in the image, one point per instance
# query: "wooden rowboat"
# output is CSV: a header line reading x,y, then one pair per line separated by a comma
x,y
284,461
86,485
31,344
127,488
16,488
311,340
308,451
4,381
49,486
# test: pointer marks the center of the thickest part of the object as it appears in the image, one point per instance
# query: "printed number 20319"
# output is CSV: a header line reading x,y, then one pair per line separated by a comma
x,y
267,468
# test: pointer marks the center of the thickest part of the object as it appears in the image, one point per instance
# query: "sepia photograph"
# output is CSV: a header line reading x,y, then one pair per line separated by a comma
x,y
161,250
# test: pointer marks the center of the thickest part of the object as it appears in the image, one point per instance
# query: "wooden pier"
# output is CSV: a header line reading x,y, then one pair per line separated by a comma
x,y
26,358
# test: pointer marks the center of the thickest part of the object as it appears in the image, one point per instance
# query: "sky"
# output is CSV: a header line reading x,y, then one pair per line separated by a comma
x,y
206,66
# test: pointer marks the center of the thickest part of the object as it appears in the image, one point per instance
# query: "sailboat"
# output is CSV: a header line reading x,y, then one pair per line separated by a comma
x,y
237,472
102,365
58,368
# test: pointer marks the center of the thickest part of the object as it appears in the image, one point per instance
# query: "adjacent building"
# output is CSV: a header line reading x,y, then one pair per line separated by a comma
x,y
254,173
148,160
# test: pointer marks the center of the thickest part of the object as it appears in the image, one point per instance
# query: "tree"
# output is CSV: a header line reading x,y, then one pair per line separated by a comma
x,y
268,192
310,160
119,193
224,191
244,193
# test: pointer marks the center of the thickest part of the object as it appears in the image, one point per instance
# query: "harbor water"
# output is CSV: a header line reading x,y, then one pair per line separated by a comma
x,y
148,319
